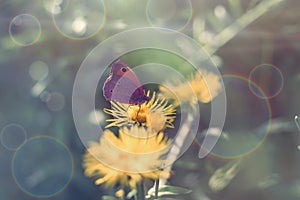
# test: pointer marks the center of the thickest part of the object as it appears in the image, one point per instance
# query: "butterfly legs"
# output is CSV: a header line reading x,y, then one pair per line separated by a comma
x,y
135,115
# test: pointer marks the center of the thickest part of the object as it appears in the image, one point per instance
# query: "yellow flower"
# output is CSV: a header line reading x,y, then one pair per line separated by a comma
x,y
194,89
155,114
127,159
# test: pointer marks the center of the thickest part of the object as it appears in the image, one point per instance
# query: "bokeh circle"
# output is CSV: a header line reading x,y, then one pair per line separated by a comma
x,y
269,78
237,142
25,29
56,101
80,19
38,70
171,14
94,66
12,136
42,166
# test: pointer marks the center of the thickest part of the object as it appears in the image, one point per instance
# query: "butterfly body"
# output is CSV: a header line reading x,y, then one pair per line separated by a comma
x,y
123,86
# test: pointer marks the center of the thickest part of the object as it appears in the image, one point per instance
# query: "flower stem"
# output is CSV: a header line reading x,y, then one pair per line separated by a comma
x,y
183,133
140,191
156,188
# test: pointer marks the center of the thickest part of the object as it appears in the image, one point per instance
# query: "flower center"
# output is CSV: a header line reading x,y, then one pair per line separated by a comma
x,y
138,113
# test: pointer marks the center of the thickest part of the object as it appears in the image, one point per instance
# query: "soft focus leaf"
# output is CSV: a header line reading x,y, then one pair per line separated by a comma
x,y
269,181
279,125
131,194
173,190
223,176
168,190
297,121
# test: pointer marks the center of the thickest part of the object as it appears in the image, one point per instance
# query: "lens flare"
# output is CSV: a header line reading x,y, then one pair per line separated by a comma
x,y
269,78
244,110
80,20
25,29
42,166
172,14
12,136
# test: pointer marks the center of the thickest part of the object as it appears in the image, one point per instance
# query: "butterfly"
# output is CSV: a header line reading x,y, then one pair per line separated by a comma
x,y
122,85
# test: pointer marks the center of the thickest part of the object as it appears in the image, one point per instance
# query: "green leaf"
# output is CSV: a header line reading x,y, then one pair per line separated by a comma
x,y
131,194
107,197
168,190
297,121
173,190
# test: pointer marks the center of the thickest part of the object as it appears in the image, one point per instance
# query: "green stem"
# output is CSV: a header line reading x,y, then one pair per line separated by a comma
x,y
140,191
156,188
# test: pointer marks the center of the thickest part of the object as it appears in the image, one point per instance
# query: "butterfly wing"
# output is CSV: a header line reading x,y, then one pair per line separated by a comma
x,y
123,85
124,90
121,69
131,82
108,88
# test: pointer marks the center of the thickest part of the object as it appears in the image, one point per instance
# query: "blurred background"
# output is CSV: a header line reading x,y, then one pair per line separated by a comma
x,y
254,43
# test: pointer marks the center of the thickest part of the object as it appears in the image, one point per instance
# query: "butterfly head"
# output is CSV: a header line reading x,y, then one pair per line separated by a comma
x,y
141,100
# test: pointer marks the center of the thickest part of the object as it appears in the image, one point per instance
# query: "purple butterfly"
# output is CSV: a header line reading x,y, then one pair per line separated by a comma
x,y
123,86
